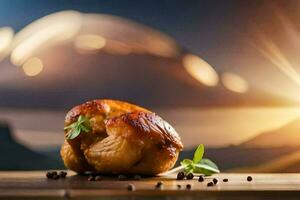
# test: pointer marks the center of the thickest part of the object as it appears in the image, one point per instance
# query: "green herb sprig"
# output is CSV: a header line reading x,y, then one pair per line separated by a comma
x,y
81,125
199,164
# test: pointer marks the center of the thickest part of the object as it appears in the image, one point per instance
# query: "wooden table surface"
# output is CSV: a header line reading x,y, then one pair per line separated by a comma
x,y
24,184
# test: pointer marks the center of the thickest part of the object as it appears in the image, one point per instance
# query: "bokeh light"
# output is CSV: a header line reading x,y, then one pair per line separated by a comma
x,y
234,82
33,66
200,70
6,37
48,31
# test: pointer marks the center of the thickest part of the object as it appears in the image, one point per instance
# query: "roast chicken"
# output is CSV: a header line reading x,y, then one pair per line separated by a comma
x,y
118,138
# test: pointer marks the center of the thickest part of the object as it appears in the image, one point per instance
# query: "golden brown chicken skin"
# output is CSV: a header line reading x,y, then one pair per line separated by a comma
x,y
123,138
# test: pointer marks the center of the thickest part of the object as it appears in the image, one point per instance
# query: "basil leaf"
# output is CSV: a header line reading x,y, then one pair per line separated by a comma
x,y
81,119
81,125
206,167
198,153
84,128
189,168
70,126
208,162
73,133
186,162
188,165
199,165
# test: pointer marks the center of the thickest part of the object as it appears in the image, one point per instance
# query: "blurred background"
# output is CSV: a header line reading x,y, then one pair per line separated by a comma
x,y
223,73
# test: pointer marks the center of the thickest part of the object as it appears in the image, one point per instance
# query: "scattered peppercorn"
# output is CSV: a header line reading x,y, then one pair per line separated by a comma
x,y
49,175
98,178
209,184
91,178
159,185
178,186
62,174
225,180
249,178
122,177
200,179
130,187
137,177
52,175
188,186
215,181
190,176
180,176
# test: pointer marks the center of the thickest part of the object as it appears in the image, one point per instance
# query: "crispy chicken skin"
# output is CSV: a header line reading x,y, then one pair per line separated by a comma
x,y
124,138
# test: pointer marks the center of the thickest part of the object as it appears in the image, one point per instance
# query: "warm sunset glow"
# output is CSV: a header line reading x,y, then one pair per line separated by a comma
x,y
43,33
89,42
279,50
200,70
33,66
6,36
234,82
272,52
224,126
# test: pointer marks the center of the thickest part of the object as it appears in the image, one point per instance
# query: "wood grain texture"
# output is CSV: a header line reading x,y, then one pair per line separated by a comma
x,y
20,185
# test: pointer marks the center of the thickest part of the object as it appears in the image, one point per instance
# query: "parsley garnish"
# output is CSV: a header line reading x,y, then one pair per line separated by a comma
x,y
81,125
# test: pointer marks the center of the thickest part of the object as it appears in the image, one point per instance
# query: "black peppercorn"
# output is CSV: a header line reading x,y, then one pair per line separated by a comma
x,y
190,176
200,179
54,173
130,187
188,186
180,176
49,175
159,185
62,174
249,178
209,184
225,180
178,186
215,181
